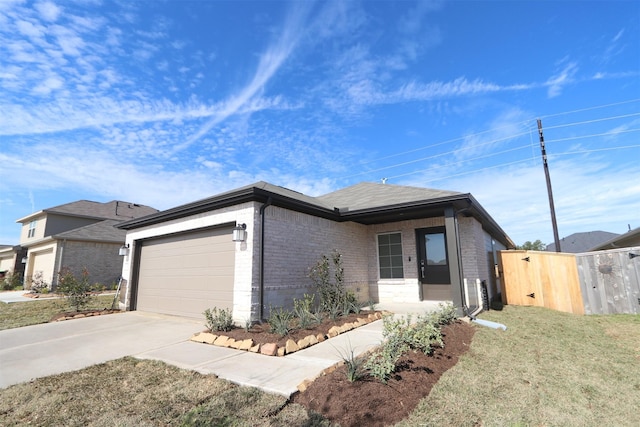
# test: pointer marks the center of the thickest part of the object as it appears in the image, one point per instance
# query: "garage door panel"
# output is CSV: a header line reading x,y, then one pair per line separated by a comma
x,y
186,274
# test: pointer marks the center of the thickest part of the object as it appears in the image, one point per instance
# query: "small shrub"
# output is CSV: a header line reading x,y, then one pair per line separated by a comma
x,y
247,324
303,310
76,291
382,363
38,284
446,314
371,304
218,320
12,281
280,321
354,365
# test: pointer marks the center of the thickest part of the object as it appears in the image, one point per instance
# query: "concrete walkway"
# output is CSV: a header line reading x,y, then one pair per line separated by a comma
x,y
52,348
9,297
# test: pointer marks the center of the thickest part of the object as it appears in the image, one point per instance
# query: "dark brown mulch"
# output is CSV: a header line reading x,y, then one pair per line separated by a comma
x,y
369,402
261,333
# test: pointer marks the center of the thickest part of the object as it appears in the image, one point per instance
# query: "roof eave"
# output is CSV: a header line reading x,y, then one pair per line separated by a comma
x,y
243,195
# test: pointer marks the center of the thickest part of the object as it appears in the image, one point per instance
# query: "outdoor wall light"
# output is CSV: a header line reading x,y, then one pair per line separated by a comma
x,y
24,260
240,233
124,250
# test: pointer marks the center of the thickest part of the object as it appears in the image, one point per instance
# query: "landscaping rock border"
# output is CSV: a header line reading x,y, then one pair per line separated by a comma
x,y
291,346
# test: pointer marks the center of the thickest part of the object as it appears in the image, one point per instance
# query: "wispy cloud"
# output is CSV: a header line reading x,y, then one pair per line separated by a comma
x,y
563,77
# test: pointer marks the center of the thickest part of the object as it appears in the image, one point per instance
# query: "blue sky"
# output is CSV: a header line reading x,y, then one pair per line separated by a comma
x,y
167,102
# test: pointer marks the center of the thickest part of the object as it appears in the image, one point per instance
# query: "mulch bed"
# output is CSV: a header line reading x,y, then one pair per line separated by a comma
x,y
372,403
261,333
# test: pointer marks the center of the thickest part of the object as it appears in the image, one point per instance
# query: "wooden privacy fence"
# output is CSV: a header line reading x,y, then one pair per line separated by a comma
x,y
602,282
542,279
610,281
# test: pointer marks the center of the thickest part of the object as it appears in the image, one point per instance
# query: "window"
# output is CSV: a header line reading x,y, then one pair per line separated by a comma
x,y
390,256
32,229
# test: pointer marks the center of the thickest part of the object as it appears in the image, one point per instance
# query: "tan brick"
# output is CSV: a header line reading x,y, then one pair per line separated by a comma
x,y
320,337
235,344
312,339
255,348
269,349
281,351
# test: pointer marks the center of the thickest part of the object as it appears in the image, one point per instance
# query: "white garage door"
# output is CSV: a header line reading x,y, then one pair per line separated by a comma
x,y
42,265
185,274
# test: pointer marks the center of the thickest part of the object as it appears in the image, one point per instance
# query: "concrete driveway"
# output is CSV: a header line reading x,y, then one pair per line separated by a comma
x,y
52,348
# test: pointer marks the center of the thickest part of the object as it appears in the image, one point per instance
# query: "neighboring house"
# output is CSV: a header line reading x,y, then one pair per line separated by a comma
x,y
629,239
11,258
76,235
398,244
581,242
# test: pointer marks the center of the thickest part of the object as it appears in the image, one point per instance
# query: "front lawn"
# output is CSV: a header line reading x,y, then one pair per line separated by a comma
x,y
548,368
19,314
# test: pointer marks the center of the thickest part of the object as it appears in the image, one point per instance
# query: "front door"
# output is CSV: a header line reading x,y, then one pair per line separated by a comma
x,y
433,263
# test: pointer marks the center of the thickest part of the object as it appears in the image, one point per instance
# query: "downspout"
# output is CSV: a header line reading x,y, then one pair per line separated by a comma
x,y
262,221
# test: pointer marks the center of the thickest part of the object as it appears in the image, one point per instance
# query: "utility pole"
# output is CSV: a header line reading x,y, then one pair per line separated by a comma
x,y
556,238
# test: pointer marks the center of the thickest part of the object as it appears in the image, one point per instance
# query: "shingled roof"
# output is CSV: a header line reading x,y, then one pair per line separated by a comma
x,y
115,209
103,231
368,195
365,203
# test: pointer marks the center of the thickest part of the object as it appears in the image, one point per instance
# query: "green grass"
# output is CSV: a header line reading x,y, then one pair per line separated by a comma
x,y
548,368
18,314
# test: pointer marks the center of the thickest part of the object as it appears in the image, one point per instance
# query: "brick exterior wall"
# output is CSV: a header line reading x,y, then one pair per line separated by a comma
x,y
294,242
100,259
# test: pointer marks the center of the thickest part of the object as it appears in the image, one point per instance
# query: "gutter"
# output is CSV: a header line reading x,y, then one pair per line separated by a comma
x,y
472,316
262,221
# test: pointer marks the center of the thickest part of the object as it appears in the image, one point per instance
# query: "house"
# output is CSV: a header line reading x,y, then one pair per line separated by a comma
x,y
11,257
581,242
398,244
629,239
76,235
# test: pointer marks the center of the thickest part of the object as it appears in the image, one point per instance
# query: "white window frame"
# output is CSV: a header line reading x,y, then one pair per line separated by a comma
x,y
32,228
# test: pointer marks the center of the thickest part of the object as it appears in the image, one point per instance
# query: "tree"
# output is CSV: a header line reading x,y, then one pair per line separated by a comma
x,y
535,246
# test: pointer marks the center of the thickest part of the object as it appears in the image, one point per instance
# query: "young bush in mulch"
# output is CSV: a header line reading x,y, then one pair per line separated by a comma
x,y
370,402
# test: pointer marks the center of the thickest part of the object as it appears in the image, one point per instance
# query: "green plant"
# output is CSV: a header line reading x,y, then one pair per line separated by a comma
x,y
353,364
445,314
328,277
11,281
382,362
38,284
303,310
247,324
371,304
280,321
76,291
218,320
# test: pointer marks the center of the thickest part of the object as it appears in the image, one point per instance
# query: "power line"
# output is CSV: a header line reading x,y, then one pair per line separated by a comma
x,y
591,108
439,155
572,138
477,134
593,121
463,173
594,150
